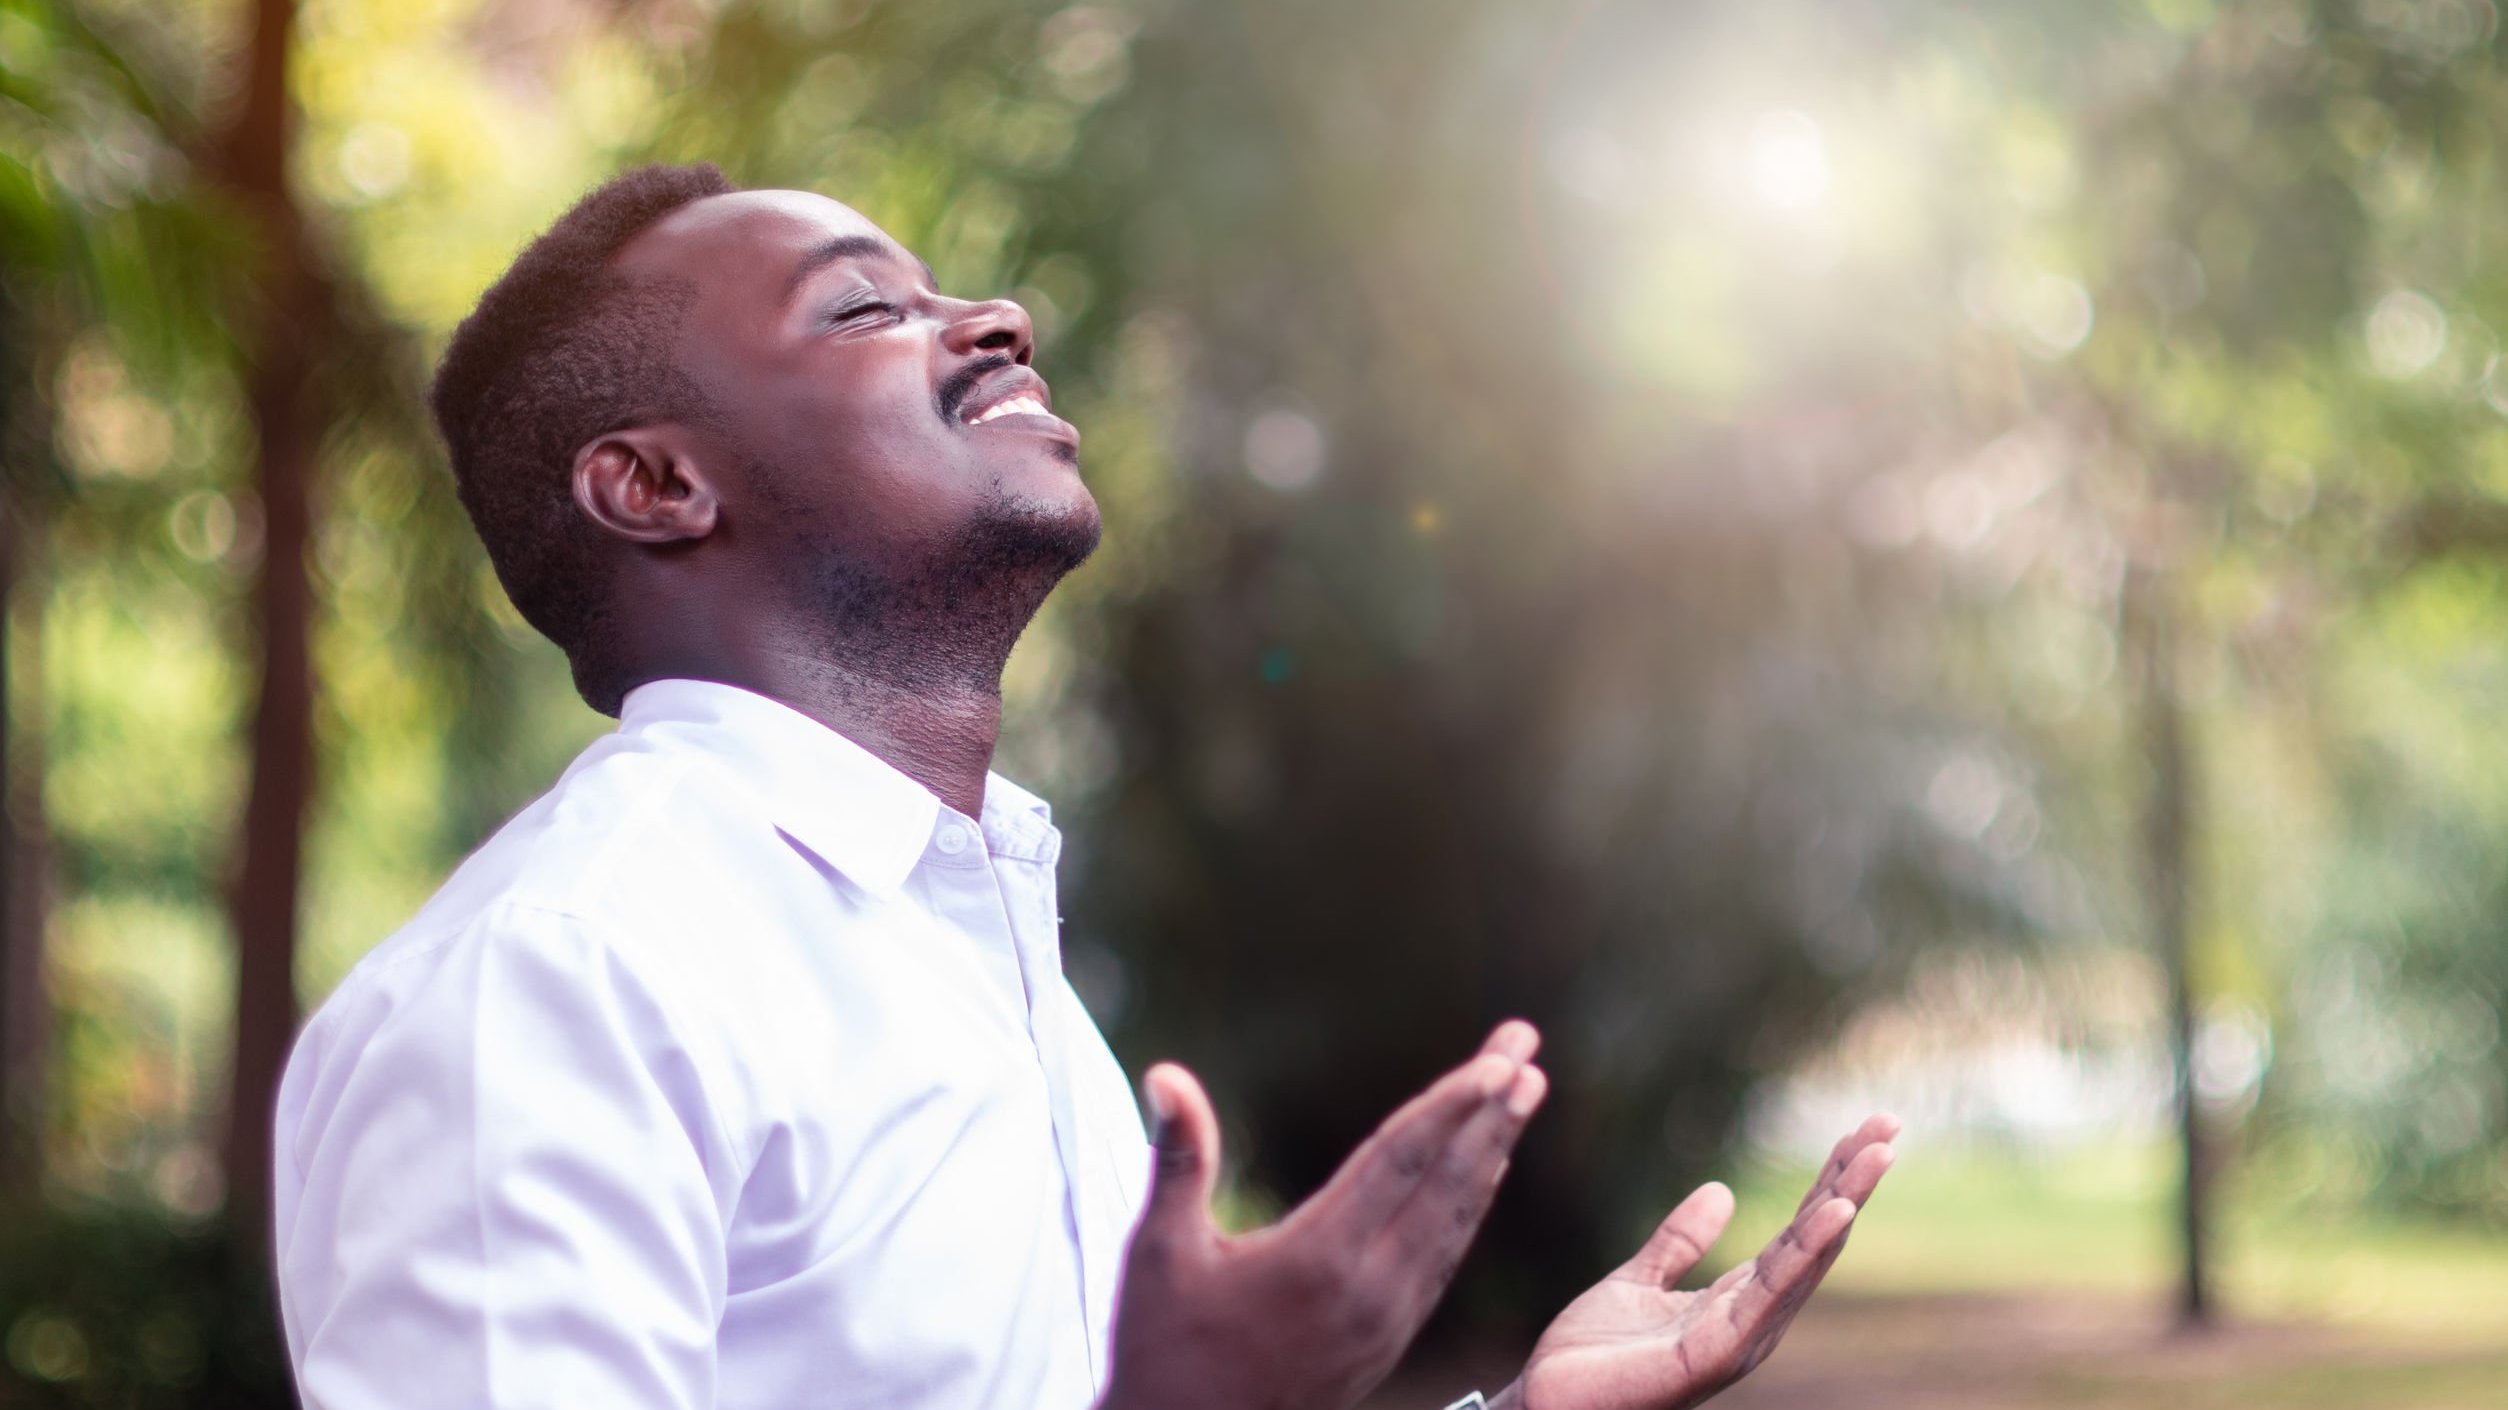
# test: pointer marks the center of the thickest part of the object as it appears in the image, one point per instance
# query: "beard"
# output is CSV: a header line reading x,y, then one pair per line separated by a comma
x,y
947,621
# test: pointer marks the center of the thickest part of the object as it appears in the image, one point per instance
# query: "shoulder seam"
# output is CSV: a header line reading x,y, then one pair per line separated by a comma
x,y
597,933
603,860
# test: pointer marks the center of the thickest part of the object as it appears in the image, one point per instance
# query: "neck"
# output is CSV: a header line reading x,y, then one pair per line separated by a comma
x,y
927,703
940,733
906,665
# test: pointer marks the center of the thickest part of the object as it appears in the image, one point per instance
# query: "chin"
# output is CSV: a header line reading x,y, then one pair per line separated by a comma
x,y
1053,532
1069,530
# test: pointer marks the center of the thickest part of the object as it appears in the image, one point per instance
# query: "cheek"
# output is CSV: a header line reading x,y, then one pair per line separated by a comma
x,y
880,472
847,412
851,422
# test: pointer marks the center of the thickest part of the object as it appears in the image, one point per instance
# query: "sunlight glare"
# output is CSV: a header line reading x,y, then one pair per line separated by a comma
x,y
1788,161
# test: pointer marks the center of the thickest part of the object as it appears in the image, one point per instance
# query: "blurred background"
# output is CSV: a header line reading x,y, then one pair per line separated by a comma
x,y
1835,553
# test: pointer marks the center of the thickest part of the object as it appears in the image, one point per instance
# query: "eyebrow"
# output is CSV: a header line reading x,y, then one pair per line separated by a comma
x,y
842,247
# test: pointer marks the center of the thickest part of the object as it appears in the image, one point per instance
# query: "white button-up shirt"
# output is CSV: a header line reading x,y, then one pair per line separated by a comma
x,y
736,1071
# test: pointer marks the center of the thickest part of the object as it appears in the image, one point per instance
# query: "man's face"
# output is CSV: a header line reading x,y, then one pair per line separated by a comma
x,y
865,417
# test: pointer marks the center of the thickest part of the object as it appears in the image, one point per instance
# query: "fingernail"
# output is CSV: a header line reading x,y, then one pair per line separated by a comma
x,y
1518,1039
1160,1110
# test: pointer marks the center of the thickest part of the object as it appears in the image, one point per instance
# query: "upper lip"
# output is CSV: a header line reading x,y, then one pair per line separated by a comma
x,y
1012,381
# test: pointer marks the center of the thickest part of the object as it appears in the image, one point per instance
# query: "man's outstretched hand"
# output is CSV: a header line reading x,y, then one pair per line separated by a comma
x,y
1313,1311
1636,1342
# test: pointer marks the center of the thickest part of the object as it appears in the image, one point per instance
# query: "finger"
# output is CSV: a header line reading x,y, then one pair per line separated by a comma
x,y
1794,1263
1851,1187
1425,1239
1863,1174
1381,1174
1684,1236
1879,1129
1857,1186
1854,1184
1514,1039
1767,1289
1185,1132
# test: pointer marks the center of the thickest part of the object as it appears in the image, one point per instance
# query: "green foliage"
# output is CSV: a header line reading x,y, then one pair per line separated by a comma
x,y
116,1308
1620,513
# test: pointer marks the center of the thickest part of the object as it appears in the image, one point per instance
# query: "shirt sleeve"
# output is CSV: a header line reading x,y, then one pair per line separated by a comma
x,y
501,1185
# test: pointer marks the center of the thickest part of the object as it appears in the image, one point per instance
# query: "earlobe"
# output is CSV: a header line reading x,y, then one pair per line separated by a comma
x,y
641,487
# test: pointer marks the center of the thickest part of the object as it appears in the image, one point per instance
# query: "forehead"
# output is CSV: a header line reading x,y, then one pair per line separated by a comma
x,y
745,245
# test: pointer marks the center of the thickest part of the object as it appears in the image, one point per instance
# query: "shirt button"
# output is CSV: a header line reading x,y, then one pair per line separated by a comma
x,y
953,839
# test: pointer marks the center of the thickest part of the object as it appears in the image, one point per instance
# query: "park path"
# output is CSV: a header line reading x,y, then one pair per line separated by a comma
x,y
1995,1352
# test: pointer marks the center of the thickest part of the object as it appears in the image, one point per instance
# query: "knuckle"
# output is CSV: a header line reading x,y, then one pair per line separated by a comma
x,y
1318,1272
1340,1267
1407,1158
1366,1317
1461,1168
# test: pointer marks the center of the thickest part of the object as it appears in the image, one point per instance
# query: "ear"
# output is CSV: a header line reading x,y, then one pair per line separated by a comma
x,y
644,486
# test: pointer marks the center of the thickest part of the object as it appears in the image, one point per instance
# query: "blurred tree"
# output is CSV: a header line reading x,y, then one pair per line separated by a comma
x,y
352,497
2242,269
108,256
2152,621
81,241
1637,515
286,324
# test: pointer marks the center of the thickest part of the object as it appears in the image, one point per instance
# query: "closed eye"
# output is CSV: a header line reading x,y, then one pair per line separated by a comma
x,y
853,312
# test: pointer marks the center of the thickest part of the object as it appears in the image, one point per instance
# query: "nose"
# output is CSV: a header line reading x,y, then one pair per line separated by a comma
x,y
996,326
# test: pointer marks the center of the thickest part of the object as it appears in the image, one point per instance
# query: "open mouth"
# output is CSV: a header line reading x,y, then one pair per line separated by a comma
x,y
1021,404
1014,391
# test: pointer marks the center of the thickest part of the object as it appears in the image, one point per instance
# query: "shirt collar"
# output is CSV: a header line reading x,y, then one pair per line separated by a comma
x,y
850,808
1018,824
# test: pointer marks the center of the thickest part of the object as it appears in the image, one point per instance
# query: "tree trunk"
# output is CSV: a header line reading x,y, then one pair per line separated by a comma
x,y
281,357
25,1009
2168,858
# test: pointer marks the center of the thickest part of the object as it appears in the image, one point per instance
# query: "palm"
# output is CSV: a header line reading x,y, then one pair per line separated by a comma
x,y
1636,1341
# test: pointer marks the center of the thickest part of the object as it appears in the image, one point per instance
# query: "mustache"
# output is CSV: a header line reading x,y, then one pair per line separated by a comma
x,y
959,385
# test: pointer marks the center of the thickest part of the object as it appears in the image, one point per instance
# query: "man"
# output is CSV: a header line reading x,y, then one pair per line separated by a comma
x,y
739,1069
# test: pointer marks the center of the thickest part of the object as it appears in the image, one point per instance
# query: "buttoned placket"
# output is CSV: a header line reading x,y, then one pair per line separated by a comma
x,y
1015,853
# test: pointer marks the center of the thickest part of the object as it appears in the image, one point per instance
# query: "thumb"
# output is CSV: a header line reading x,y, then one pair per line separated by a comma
x,y
1185,1132
1684,1236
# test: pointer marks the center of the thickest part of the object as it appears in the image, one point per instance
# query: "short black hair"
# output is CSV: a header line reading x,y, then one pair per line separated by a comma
x,y
561,349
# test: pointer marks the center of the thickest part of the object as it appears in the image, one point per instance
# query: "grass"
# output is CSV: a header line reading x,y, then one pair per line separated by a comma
x,y
1987,1280
1973,1221
1979,1222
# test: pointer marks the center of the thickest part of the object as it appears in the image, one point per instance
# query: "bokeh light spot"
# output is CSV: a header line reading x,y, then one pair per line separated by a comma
x,y
2054,315
1788,161
2406,333
1284,449
375,159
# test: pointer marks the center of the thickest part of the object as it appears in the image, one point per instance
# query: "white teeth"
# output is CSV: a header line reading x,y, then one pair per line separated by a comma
x,y
1018,405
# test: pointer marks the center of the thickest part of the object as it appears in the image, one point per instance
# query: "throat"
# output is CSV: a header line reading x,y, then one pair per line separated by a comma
x,y
942,737
903,659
